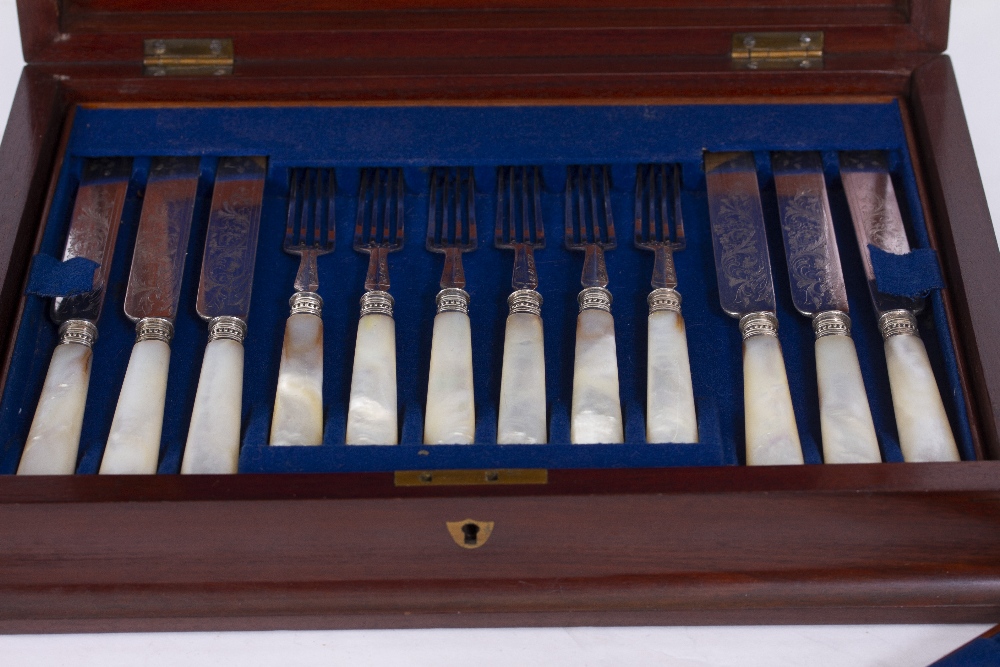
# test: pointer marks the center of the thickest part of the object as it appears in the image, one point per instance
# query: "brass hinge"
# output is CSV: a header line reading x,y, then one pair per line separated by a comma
x,y
187,57
778,50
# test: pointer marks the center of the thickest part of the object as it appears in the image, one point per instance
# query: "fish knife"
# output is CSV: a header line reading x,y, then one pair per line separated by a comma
x,y
213,441
746,292
151,299
924,431
54,436
818,291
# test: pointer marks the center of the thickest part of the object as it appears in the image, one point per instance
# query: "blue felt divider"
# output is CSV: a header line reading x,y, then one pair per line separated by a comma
x,y
912,275
417,138
49,276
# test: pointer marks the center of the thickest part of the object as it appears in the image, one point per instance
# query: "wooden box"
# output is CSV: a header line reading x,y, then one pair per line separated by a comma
x,y
890,542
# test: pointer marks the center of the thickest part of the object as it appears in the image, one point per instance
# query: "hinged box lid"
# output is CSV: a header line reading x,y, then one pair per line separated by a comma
x,y
91,31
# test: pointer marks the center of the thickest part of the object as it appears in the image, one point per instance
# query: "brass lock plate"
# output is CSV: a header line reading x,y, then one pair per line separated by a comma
x,y
469,533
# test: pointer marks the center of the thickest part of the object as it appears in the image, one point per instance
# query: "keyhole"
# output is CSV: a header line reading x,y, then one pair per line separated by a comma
x,y
471,531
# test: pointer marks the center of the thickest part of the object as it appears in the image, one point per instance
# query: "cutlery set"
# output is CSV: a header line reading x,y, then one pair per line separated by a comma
x,y
746,290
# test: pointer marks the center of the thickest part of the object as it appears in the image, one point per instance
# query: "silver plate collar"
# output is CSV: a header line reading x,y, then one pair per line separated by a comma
x,y
664,298
229,328
376,302
525,301
81,332
594,298
761,323
453,299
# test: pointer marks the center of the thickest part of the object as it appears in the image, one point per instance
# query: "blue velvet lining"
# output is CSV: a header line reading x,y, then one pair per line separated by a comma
x,y
981,652
49,276
913,275
416,138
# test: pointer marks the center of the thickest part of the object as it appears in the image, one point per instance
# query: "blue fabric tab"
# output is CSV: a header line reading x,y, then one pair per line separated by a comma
x,y
911,275
50,277
982,652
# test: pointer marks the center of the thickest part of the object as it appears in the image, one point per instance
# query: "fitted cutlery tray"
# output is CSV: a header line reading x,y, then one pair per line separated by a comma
x,y
417,138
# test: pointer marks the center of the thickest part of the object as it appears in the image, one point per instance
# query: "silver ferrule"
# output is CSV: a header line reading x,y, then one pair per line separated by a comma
x,y
154,328
594,298
306,302
898,323
226,327
525,301
761,323
831,323
664,298
453,299
376,302
81,332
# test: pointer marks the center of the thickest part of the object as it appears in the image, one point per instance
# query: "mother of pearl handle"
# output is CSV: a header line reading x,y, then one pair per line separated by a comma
x,y
213,441
844,415
670,413
772,437
54,436
134,442
924,432
371,413
298,402
522,384
596,414
450,416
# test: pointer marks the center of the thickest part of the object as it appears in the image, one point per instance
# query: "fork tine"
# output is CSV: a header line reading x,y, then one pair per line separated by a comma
x,y
664,205
396,240
640,178
568,235
359,222
293,194
679,240
473,235
525,209
331,210
432,209
376,195
511,206
498,225
305,213
609,221
539,239
595,222
654,205
445,191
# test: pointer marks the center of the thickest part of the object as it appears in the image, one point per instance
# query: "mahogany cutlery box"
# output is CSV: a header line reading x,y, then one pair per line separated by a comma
x,y
338,537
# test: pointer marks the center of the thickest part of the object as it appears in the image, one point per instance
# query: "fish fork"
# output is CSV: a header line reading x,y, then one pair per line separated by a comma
x,y
310,232
450,415
670,413
371,414
519,227
596,414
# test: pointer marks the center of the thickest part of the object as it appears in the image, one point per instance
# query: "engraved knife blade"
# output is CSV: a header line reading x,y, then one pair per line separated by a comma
x,y
746,291
738,235
877,219
814,270
231,239
97,215
154,283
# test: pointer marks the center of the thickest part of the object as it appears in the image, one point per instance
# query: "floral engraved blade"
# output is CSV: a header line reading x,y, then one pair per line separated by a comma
x,y
231,239
877,218
817,280
93,230
738,235
161,243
